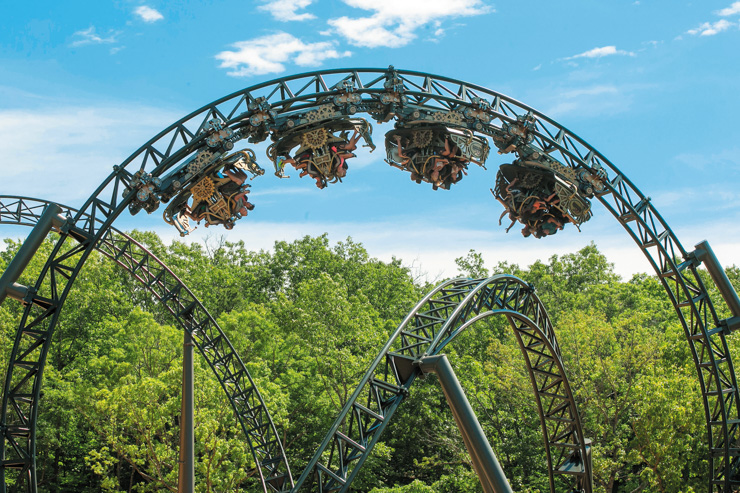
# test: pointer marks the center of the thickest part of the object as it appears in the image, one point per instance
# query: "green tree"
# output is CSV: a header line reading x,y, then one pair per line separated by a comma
x,y
306,318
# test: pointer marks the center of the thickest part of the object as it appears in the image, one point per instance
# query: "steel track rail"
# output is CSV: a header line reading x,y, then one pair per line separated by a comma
x,y
434,323
676,268
167,289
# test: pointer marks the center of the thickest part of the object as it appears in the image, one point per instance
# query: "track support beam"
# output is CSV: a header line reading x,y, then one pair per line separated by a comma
x,y
51,218
705,254
486,465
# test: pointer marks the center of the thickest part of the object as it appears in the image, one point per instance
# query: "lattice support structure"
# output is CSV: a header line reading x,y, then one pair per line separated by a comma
x,y
167,289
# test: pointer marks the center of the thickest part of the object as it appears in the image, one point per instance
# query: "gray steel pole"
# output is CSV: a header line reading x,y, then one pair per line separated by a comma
x,y
489,471
186,472
49,218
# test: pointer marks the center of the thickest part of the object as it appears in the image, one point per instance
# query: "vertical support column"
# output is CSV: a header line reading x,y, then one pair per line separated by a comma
x,y
489,471
186,473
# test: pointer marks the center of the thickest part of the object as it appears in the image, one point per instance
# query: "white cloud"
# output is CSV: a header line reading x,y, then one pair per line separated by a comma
x,y
693,200
711,160
89,37
712,28
81,145
600,53
268,54
285,10
394,23
431,250
731,10
148,14
588,102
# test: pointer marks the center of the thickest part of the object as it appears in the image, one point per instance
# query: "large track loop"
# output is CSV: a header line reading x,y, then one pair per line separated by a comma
x,y
435,322
166,288
271,107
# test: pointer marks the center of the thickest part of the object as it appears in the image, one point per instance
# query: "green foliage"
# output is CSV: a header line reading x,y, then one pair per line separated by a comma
x,y
306,319
472,265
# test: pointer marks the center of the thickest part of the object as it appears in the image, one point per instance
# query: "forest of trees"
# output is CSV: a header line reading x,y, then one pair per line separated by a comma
x,y
307,318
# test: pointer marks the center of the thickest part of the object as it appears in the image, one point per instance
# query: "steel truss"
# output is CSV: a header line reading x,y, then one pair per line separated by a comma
x,y
539,344
436,321
167,289
254,112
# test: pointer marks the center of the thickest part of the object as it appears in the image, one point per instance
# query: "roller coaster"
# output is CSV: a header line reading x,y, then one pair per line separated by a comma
x,y
441,126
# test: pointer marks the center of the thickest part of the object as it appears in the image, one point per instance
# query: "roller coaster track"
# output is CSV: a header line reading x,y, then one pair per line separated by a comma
x,y
498,295
435,322
168,290
254,112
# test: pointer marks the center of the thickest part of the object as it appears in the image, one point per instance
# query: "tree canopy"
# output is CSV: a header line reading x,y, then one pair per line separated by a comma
x,y
307,317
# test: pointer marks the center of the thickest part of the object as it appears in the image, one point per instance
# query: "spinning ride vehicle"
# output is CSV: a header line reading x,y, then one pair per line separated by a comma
x,y
321,154
436,154
544,195
217,188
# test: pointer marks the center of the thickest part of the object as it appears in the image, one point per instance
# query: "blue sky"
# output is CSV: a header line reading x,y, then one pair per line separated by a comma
x,y
652,84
